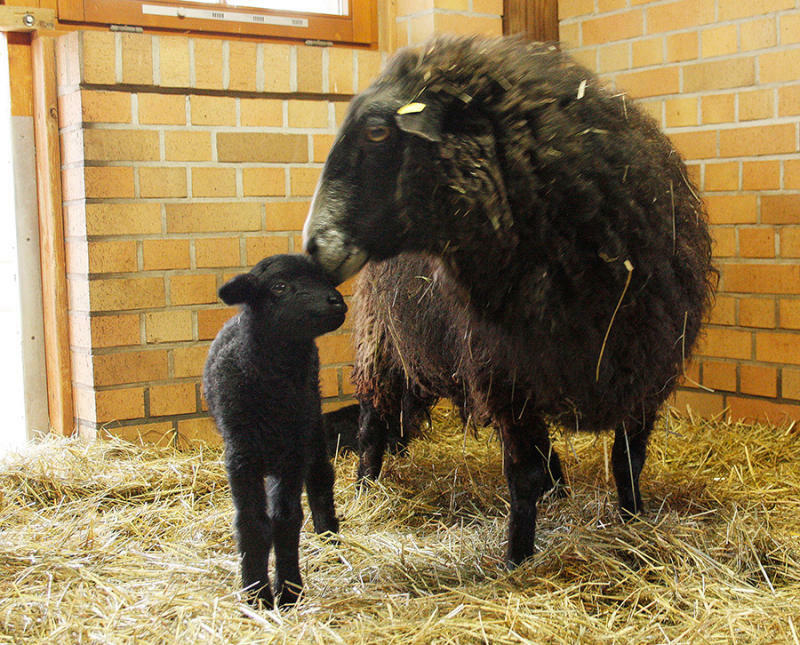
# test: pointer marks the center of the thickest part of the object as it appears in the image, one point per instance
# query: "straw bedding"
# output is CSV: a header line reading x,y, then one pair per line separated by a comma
x,y
116,543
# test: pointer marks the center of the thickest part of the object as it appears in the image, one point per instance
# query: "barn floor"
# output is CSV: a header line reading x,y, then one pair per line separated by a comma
x,y
113,543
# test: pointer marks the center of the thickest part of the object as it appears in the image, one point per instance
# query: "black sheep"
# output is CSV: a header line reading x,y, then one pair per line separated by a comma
x,y
261,381
566,259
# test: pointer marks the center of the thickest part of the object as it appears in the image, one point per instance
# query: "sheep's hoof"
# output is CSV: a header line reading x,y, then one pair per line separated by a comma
x,y
289,594
631,514
261,598
330,537
558,490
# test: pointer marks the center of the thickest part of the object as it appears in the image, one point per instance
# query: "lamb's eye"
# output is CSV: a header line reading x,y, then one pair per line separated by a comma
x,y
278,288
378,133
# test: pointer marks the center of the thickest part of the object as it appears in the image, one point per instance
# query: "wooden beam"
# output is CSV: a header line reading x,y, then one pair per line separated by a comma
x,y
535,19
51,234
26,18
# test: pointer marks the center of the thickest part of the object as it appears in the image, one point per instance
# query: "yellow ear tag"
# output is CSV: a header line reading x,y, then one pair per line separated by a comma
x,y
411,108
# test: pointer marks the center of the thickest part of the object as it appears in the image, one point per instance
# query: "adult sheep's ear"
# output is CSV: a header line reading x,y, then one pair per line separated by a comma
x,y
421,119
238,290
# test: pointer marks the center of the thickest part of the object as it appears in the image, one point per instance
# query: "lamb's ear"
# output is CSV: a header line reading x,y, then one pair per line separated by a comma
x,y
421,119
238,290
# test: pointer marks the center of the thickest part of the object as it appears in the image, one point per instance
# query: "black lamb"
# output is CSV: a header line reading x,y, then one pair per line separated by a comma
x,y
261,381
552,261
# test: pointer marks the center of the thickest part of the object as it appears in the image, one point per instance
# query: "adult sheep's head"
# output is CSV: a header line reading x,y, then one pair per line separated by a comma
x,y
382,187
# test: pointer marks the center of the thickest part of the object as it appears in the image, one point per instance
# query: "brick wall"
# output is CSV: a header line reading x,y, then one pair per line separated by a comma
x,y
723,79
418,19
185,161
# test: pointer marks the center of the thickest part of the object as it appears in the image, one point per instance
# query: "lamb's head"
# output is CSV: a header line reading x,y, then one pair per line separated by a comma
x,y
379,190
287,295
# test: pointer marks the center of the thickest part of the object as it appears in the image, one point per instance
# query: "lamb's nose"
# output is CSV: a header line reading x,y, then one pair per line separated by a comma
x,y
336,301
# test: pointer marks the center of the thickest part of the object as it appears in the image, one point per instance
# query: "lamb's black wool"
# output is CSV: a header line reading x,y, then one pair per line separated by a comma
x,y
261,381
563,262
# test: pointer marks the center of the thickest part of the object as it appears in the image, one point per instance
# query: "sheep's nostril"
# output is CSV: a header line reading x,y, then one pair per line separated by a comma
x,y
311,246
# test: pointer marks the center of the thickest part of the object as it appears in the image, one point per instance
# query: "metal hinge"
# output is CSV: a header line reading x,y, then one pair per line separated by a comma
x,y
26,18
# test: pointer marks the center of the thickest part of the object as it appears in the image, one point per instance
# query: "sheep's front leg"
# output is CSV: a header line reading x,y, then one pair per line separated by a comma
x,y
286,515
253,527
372,433
627,459
319,485
527,461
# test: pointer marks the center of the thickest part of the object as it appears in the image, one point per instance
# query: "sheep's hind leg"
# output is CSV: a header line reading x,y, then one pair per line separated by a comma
x,y
287,517
627,459
319,485
528,463
253,527
372,434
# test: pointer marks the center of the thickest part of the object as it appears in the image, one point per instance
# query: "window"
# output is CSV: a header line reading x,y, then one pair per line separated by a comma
x,y
340,21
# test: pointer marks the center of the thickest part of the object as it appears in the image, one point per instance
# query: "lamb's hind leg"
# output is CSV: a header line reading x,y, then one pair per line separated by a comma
x,y
287,517
528,461
627,459
319,485
253,527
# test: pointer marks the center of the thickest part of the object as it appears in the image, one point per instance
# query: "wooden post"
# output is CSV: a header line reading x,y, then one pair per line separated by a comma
x,y
51,233
535,19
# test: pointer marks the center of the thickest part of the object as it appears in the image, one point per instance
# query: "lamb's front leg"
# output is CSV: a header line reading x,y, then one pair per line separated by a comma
x,y
319,485
253,527
286,515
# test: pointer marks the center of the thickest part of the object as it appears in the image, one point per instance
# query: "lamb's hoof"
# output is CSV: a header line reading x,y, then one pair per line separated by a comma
x,y
330,537
559,490
289,594
261,598
631,514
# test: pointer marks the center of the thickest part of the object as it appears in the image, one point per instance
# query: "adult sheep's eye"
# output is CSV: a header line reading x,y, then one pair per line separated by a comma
x,y
278,288
378,133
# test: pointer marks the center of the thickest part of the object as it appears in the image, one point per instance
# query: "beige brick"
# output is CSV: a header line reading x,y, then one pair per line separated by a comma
x,y
759,104
207,63
116,294
757,242
210,321
420,28
789,100
213,182
189,361
115,330
120,145
761,175
674,16
791,174
137,59
757,312
165,254
681,112
681,47
304,181
329,382
162,182
213,110
369,63
757,34
243,64
174,61
613,28
197,432
779,67
168,327
187,146
261,112
719,41
340,74
127,403
123,219
789,29
161,434
104,107
195,289
217,252
308,114
262,147
130,367
212,217
790,383
732,209
721,176
495,7
269,182
286,216
648,51
718,108
491,26
575,8
112,257
758,140
662,80
340,110
734,10
736,72
177,398
614,57
162,109
277,73
108,182
257,248
322,146
335,348
569,34
309,69
724,241
98,53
